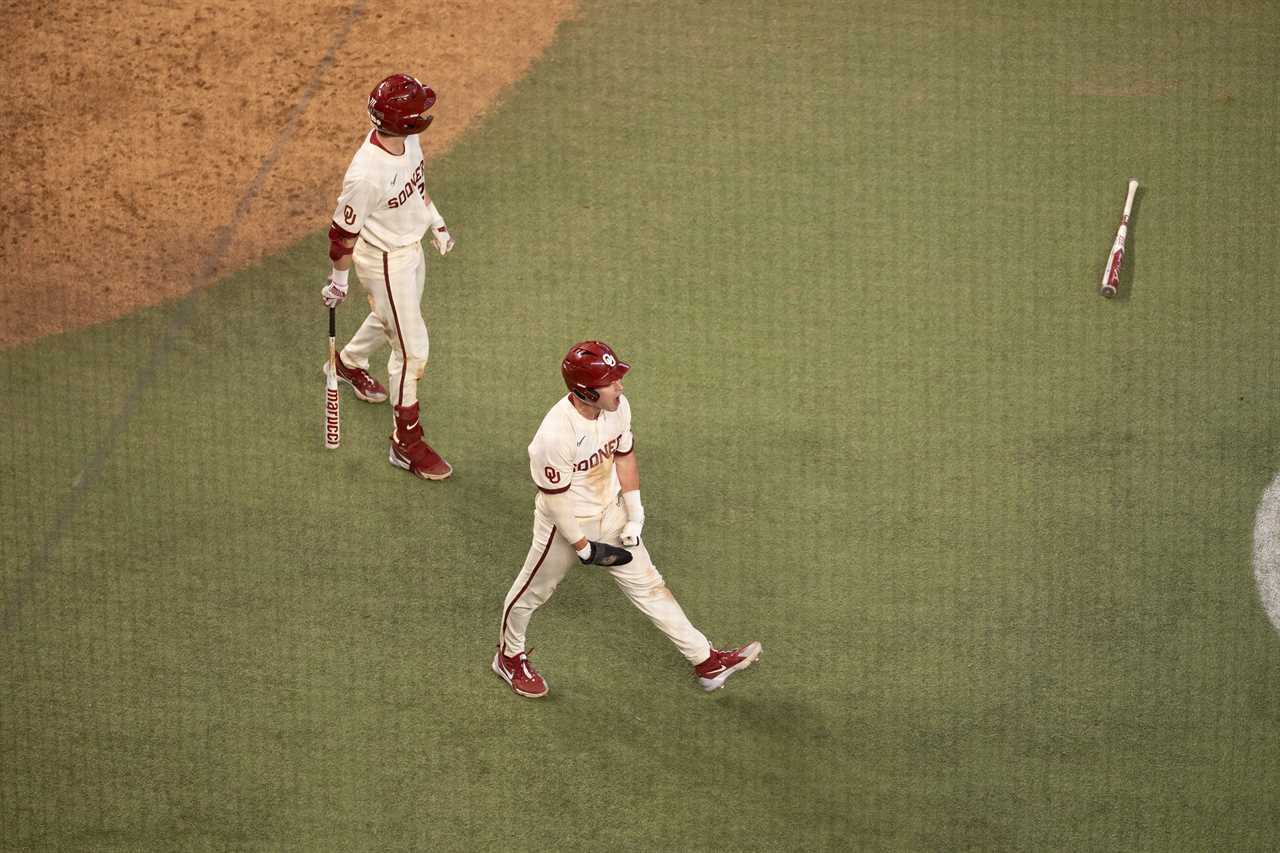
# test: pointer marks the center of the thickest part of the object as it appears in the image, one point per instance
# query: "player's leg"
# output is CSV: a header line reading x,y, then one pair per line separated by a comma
x,y
643,584
376,330
402,287
549,559
370,337
353,360
402,283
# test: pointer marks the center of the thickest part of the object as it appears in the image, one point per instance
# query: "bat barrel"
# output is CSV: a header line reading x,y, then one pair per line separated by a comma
x,y
1128,202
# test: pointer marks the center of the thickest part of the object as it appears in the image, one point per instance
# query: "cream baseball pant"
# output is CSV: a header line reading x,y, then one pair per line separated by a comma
x,y
394,281
551,557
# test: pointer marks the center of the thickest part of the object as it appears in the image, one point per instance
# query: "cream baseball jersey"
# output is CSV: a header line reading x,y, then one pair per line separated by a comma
x,y
384,195
571,453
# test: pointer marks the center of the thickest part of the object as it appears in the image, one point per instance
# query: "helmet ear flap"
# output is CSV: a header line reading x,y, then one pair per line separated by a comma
x,y
591,365
398,105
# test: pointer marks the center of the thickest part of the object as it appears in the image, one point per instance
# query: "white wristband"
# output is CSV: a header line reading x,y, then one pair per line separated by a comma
x,y
631,499
585,552
339,277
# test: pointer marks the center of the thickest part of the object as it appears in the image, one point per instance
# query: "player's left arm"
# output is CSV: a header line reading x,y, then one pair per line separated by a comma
x,y
628,472
440,235
629,482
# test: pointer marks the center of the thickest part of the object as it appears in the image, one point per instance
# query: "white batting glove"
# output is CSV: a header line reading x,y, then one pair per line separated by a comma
x,y
442,238
631,533
333,293
635,518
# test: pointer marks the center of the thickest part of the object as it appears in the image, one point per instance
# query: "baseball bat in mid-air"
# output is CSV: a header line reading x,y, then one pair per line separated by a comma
x,y
1111,275
332,428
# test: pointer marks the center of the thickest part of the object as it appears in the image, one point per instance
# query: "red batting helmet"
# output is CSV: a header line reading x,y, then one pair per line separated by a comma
x,y
591,365
399,105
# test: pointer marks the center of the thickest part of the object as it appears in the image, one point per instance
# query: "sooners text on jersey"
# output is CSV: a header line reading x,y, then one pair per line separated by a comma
x,y
604,454
417,182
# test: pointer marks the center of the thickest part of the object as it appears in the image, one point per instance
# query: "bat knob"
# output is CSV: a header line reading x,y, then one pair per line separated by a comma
x,y
1108,290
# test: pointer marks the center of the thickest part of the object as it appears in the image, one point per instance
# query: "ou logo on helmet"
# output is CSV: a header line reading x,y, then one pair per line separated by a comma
x,y
609,359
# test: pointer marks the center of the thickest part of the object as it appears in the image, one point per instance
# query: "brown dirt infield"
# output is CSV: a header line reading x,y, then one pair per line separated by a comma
x,y
133,129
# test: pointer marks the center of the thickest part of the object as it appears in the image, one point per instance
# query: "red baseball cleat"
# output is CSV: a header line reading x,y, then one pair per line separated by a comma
x,y
365,386
520,674
410,452
715,670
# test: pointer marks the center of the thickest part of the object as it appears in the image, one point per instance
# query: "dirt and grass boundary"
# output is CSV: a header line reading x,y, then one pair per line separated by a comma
x,y
148,157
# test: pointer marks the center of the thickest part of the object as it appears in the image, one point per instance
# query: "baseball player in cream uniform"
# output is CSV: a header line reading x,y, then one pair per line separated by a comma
x,y
583,462
382,214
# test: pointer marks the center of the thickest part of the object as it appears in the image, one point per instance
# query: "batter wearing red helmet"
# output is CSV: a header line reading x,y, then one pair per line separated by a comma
x,y
382,214
588,511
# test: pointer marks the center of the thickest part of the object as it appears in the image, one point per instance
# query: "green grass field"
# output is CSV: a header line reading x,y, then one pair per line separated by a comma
x,y
993,531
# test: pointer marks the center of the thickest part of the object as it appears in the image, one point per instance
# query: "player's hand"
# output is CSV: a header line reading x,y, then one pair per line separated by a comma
x,y
606,555
442,238
333,293
631,533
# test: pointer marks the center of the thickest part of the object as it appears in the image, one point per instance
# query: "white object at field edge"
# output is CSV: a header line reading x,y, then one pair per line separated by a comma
x,y
1266,551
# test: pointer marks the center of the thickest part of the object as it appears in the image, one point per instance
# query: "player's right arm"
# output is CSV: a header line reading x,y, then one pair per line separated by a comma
x,y
560,508
551,465
355,203
340,245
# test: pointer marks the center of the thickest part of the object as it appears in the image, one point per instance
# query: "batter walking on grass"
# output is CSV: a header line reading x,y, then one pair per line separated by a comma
x,y
381,217
588,504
